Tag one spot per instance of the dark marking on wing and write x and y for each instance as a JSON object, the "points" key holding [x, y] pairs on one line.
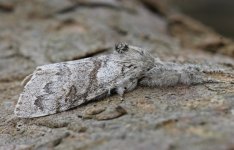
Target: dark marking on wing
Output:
{"points": [[71, 95], [92, 85], [38, 102], [101, 96], [47, 88], [65, 71], [58, 106]]}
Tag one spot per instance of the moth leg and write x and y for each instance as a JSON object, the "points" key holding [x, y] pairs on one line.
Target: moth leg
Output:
{"points": [[120, 91], [109, 92], [127, 86]]}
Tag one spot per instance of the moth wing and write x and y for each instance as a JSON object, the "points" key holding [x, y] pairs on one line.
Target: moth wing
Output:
{"points": [[54, 88]]}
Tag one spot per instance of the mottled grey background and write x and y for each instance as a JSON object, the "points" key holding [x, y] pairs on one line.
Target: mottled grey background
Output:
{"points": [[39, 32]]}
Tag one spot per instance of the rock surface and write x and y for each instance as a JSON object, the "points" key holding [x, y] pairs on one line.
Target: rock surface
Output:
{"points": [[39, 32]]}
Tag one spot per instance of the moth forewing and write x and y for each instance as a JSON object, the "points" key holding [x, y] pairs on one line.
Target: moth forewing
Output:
{"points": [[57, 87]]}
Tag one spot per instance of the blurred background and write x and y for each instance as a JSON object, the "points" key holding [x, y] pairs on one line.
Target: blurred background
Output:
{"points": [[218, 14]]}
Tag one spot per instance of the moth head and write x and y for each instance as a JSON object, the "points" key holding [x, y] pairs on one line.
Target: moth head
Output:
{"points": [[135, 55]]}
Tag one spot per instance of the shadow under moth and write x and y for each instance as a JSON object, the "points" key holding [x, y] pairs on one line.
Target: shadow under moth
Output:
{"points": [[61, 86]]}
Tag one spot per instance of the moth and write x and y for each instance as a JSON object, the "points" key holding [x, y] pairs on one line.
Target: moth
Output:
{"points": [[61, 86]]}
